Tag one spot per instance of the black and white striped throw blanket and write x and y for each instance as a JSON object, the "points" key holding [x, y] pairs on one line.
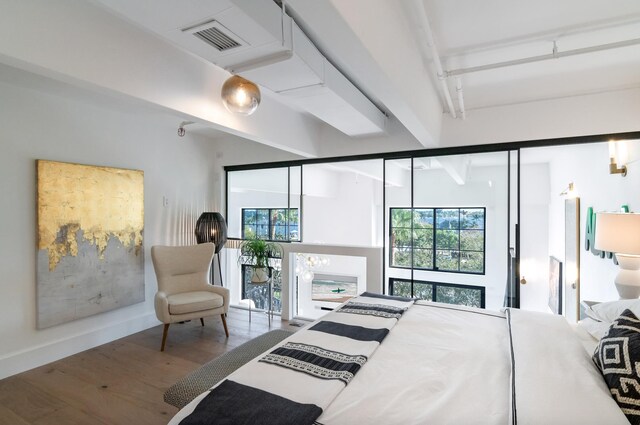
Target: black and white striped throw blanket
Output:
{"points": [[295, 381]]}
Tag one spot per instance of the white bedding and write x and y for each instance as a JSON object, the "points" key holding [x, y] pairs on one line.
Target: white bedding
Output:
{"points": [[444, 364], [433, 368]]}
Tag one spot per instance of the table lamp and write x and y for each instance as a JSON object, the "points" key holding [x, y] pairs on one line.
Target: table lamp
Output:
{"points": [[620, 233]]}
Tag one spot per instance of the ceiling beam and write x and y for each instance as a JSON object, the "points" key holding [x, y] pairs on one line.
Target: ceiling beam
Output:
{"points": [[80, 43]]}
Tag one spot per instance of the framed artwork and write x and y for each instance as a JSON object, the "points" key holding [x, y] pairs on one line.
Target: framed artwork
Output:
{"points": [[555, 285], [90, 255]]}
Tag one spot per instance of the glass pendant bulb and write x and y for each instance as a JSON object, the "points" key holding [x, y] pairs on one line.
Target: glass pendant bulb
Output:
{"points": [[240, 96]]}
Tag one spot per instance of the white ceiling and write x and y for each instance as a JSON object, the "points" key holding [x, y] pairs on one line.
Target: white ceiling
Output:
{"points": [[380, 46]]}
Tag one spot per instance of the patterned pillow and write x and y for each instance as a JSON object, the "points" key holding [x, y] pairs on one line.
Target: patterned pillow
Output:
{"points": [[618, 358]]}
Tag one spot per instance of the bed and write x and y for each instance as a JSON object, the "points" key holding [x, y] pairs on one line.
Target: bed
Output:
{"points": [[436, 364]]}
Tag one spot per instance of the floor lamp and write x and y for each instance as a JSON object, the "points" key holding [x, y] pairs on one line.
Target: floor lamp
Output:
{"points": [[212, 227]]}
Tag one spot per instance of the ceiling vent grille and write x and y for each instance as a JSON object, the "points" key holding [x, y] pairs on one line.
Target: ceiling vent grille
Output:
{"points": [[217, 39], [216, 35]]}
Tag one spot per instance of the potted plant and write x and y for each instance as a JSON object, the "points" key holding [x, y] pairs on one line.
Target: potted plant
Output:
{"points": [[256, 253]]}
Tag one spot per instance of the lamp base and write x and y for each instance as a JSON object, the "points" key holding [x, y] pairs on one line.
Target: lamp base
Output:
{"points": [[628, 279]]}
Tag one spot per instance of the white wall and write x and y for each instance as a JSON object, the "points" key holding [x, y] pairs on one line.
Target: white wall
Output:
{"points": [[587, 167], [600, 113], [88, 130]]}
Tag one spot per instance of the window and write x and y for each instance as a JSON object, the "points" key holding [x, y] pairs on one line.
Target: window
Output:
{"points": [[442, 239], [450, 293], [275, 224]]}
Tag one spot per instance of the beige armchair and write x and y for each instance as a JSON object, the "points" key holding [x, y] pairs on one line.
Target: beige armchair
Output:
{"points": [[184, 292]]}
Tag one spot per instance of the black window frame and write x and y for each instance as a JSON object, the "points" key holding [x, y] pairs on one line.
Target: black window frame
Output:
{"points": [[270, 225], [435, 285], [434, 246]]}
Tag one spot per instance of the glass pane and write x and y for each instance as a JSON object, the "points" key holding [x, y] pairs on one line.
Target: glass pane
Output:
{"points": [[423, 238], [249, 216], [471, 240], [447, 260], [447, 218], [423, 258], [278, 217], [293, 217], [263, 216], [342, 203], [400, 288], [423, 219], [461, 296], [401, 217], [423, 291], [249, 232], [262, 231], [401, 237], [401, 257], [252, 190], [279, 233], [293, 233], [447, 239], [472, 218], [472, 262]]}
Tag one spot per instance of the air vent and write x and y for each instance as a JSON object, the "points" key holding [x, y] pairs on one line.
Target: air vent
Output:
{"points": [[217, 35], [217, 39]]}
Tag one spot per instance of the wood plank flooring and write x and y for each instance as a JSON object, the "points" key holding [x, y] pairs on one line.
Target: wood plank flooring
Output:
{"points": [[123, 382]]}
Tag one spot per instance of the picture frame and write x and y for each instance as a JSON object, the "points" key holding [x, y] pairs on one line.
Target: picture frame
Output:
{"points": [[555, 285]]}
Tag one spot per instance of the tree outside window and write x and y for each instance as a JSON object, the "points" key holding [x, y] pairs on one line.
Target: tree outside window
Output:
{"points": [[442, 239], [274, 224]]}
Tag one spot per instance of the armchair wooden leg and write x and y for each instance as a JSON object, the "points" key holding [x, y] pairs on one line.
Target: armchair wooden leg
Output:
{"points": [[224, 323], [164, 335], [202, 321]]}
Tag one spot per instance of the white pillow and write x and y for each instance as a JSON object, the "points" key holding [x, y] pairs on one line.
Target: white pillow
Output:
{"points": [[594, 328], [610, 311]]}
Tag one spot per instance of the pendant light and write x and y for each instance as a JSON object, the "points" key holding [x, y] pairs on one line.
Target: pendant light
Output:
{"points": [[240, 96]]}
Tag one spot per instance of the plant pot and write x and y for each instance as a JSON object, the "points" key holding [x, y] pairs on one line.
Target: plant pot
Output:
{"points": [[260, 275]]}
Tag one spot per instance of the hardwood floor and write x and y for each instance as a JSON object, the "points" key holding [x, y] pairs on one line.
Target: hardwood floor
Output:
{"points": [[123, 382]]}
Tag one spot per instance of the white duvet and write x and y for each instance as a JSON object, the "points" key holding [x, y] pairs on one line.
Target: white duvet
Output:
{"points": [[445, 364]]}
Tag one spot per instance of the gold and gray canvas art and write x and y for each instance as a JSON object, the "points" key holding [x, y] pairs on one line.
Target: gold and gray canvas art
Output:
{"points": [[90, 240]]}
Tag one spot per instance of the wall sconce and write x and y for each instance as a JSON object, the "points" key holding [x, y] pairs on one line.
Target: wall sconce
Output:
{"points": [[569, 191], [240, 96], [614, 159]]}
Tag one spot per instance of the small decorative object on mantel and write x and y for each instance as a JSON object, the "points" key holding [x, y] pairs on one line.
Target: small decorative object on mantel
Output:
{"points": [[259, 253], [212, 227]]}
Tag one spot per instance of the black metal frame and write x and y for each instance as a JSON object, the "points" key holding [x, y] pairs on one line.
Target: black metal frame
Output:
{"points": [[454, 150], [434, 230], [435, 285], [270, 224], [507, 147]]}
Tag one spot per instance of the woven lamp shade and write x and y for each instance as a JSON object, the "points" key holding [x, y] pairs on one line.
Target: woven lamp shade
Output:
{"points": [[212, 227]]}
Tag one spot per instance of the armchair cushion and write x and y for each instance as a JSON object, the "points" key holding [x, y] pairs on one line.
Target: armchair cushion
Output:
{"points": [[189, 302]]}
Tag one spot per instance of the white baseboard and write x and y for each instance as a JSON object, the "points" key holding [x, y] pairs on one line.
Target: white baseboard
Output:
{"points": [[33, 357]]}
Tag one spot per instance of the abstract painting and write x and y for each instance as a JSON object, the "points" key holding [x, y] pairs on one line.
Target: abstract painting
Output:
{"points": [[90, 231]]}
